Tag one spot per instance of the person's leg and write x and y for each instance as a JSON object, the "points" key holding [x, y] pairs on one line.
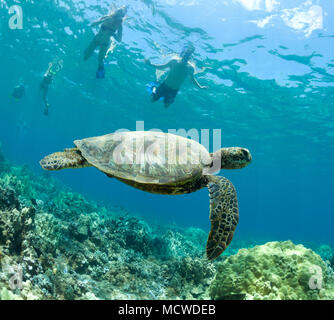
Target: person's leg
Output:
{"points": [[157, 93], [45, 100], [168, 101], [46, 109], [104, 47], [45, 90], [170, 97], [155, 97], [89, 51], [102, 55]]}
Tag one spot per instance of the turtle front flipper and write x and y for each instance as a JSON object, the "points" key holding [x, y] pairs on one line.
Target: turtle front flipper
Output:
{"points": [[68, 159], [224, 215]]}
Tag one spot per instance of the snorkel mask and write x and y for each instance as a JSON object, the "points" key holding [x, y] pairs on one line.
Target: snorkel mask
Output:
{"points": [[187, 52]]}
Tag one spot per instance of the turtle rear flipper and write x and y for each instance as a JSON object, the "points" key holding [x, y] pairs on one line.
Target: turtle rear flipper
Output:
{"points": [[69, 159], [224, 215]]}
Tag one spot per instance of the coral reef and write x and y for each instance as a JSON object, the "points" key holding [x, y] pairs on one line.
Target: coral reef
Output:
{"points": [[55, 244], [276, 270], [2, 158], [325, 252]]}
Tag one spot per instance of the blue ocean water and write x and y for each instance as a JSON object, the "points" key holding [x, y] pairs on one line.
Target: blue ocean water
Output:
{"points": [[270, 70]]}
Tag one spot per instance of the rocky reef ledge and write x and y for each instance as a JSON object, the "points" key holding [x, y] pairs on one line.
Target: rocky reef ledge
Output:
{"points": [[56, 244]]}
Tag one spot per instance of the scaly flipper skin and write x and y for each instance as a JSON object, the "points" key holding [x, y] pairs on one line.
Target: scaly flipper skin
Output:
{"points": [[224, 215], [68, 159]]}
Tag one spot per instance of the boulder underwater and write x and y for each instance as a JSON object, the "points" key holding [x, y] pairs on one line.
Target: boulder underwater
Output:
{"points": [[273, 271]]}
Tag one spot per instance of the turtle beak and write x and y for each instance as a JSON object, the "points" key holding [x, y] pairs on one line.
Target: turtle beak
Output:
{"points": [[249, 158], [247, 154]]}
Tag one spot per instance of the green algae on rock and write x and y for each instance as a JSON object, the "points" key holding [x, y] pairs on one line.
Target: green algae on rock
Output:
{"points": [[276, 270]]}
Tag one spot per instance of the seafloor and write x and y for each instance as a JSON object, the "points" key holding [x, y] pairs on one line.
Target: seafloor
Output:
{"points": [[55, 244]]}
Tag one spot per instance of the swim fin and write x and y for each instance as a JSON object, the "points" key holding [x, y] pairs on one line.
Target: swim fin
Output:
{"points": [[100, 73], [152, 86]]}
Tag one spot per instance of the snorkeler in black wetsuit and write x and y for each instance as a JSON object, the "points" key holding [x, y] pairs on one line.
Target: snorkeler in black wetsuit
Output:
{"points": [[112, 26], [180, 68], [53, 68]]}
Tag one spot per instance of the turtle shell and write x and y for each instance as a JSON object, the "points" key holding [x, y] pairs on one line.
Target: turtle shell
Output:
{"points": [[146, 156]]}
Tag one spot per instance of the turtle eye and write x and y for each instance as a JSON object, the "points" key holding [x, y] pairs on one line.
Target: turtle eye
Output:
{"points": [[244, 152]]}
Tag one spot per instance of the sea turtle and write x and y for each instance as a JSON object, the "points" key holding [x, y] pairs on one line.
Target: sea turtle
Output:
{"points": [[164, 163]]}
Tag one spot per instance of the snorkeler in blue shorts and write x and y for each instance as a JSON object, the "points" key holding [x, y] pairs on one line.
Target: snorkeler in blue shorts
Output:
{"points": [[180, 67]]}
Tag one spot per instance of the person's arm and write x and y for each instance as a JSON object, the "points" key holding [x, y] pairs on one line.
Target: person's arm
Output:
{"points": [[118, 35], [49, 69], [160, 66], [101, 20], [192, 75]]}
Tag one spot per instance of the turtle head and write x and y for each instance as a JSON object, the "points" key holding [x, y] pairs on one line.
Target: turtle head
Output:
{"points": [[68, 159], [231, 158]]}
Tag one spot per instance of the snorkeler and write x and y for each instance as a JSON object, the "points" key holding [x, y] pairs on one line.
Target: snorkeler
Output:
{"points": [[18, 92], [53, 68], [111, 26], [180, 68]]}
